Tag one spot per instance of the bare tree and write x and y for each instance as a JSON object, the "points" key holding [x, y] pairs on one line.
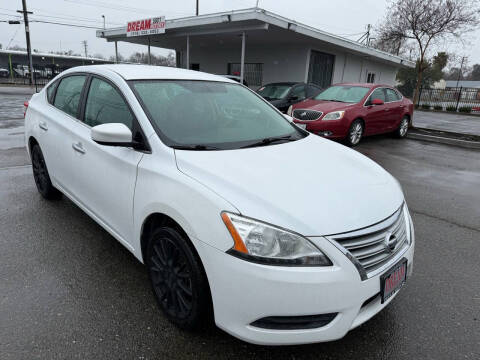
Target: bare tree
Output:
{"points": [[425, 22]]}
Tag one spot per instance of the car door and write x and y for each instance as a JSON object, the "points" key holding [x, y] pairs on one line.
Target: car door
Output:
{"points": [[395, 107], [376, 115], [106, 175], [58, 127]]}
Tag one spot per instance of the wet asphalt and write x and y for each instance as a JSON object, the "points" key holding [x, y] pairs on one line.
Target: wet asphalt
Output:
{"points": [[69, 290]]}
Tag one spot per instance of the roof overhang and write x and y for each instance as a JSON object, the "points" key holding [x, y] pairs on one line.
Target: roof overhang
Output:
{"points": [[250, 20]]}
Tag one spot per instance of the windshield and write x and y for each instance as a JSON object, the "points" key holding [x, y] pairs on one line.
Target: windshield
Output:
{"points": [[205, 115], [343, 93], [274, 91]]}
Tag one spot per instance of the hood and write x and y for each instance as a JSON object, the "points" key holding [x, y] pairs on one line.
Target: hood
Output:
{"points": [[312, 186], [321, 105]]}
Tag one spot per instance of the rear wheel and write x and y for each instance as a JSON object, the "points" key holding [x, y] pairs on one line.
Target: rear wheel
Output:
{"points": [[355, 133], [41, 176], [178, 280], [402, 130]]}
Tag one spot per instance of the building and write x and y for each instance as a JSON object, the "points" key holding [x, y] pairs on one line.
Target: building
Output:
{"points": [[270, 47], [452, 84], [45, 65]]}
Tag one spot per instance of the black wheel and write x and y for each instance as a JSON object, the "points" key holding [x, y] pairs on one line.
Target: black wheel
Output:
{"points": [[355, 133], [41, 176], [402, 130], [178, 279]]}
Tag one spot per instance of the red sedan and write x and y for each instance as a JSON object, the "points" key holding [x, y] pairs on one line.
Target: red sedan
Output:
{"points": [[351, 111]]}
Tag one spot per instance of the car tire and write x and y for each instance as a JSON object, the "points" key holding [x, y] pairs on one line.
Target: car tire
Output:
{"points": [[355, 133], [178, 279], [402, 130], [41, 175]]}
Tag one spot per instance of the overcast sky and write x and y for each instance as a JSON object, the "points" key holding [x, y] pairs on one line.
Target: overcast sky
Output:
{"points": [[343, 17]]}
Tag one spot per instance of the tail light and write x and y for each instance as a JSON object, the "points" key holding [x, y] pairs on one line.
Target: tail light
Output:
{"points": [[25, 109]]}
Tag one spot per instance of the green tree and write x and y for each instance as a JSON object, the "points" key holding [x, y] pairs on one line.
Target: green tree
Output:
{"points": [[433, 71], [475, 73]]}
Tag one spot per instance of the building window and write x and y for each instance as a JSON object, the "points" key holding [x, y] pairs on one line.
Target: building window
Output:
{"points": [[253, 72], [370, 77]]}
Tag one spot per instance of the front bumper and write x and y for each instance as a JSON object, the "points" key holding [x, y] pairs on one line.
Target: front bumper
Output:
{"points": [[336, 129], [243, 292]]}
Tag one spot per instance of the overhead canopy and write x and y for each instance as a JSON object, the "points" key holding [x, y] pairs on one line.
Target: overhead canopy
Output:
{"points": [[261, 26]]}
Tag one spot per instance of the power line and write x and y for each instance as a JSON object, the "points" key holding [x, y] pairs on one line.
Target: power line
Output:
{"points": [[66, 24], [121, 7]]}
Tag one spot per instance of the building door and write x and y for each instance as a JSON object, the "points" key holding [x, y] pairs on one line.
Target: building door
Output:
{"points": [[320, 70], [253, 72]]}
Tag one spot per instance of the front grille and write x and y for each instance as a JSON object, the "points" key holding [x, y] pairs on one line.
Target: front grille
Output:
{"points": [[372, 248], [306, 115]]}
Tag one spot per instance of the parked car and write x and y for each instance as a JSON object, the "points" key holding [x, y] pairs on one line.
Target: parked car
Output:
{"points": [[4, 73], [188, 171], [235, 78], [282, 95], [351, 111]]}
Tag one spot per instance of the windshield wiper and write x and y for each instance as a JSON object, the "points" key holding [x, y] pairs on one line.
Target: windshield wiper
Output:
{"points": [[334, 100], [195, 147], [270, 140]]}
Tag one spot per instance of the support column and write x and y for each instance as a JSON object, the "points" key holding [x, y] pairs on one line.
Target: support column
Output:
{"points": [[116, 53], [187, 62], [10, 65], [149, 55], [242, 59]]}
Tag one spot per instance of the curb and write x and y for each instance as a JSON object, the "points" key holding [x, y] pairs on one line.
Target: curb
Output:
{"points": [[443, 140]]}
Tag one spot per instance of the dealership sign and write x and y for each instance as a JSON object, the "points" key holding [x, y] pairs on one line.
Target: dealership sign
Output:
{"points": [[146, 27]]}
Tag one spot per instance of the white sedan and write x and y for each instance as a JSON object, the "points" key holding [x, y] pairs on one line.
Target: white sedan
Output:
{"points": [[280, 236]]}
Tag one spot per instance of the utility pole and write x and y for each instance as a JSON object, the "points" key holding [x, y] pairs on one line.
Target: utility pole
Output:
{"points": [[85, 45], [197, 8], [461, 70], [103, 16], [27, 36], [257, 4]]}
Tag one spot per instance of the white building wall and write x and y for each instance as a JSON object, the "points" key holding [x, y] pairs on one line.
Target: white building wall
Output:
{"points": [[290, 62]]}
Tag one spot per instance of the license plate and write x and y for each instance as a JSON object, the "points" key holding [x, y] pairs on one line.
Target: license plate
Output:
{"points": [[302, 126], [393, 280]]}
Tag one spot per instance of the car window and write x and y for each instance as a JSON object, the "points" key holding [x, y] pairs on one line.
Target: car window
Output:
{"points": [[274, 91], [376, 94], [68, 94], [299, 92], [392, 95], [313, 90], [105, 105], [199, 113], [343, 93], [51, 92]]}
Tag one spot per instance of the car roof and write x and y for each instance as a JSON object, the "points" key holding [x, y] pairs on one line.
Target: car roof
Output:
{"points": [[142, 72], [283, 83], [368, 85]]}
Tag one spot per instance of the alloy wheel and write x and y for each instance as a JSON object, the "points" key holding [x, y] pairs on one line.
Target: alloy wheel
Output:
{"points": [[356, 133], [172, 278], [40, 173], [404, 127]]}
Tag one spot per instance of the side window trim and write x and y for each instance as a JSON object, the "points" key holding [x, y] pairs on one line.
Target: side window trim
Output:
{"points": [[83, 99]]}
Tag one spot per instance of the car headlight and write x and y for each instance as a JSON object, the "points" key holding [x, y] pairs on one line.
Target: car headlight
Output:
{"points": [[289, 111], [335, 115], [408, 223], [267, 244]]}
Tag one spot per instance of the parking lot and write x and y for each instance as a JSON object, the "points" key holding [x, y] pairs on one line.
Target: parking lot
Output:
{"points": [[70, 290]]}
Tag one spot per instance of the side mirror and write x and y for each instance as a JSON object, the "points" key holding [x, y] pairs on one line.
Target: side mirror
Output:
{"points": [[288, 117], [293, 98], [114, 134], [377, 102]]}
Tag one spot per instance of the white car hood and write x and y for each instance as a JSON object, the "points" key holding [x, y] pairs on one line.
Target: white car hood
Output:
{"points": [[312, 186]]}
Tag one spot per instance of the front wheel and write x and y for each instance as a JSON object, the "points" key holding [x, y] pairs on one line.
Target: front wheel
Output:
{"points": [[402, 130], [178, 280], [355, 133]]}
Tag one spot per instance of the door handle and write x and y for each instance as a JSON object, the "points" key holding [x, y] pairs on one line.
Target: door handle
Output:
{"points": [[387, 109], [78, 147], [43, 125], [402, 106]]}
